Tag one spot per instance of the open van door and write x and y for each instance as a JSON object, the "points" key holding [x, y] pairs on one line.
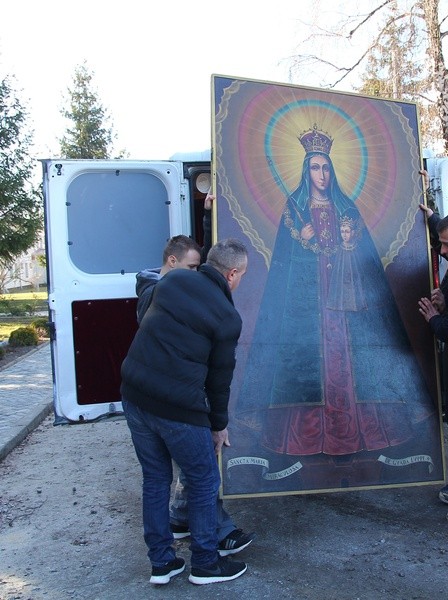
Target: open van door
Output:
{"points": [[104, 222]]}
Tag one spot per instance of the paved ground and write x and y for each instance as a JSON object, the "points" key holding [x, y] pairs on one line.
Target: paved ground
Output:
{"points": [[25, 397], [70, 521]]}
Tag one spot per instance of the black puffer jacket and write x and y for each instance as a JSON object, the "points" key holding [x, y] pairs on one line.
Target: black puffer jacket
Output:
{"points": [[144, 288], [181, 361]]}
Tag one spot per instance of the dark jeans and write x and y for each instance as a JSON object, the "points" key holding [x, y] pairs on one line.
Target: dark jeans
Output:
{"points": [[157, 441], [179, 510]]}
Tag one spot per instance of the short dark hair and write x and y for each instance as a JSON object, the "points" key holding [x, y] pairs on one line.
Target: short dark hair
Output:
{"points": [[227, 254], [178, 246], [442, 224]]}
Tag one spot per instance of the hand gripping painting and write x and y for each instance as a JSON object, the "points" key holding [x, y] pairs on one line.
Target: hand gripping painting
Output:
{"points": [[336, 383]]}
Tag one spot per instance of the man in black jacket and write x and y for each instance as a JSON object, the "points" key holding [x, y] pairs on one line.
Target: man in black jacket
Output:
{"points": [[182, 252], [175, 389]]}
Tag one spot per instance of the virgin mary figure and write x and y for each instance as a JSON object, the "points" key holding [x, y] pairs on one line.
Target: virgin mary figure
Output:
{"points": [[322, 375]]}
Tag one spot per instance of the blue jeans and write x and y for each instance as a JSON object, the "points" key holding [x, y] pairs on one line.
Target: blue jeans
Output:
{"points": [[157, 442], [179, 510]]}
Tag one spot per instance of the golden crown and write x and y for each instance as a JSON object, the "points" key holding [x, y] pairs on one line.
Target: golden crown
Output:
{"points": [[315, 140], [348, 221], [352, 219]]}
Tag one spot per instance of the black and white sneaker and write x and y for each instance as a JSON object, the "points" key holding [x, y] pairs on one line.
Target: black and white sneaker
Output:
{"points": [[443, 494], [236, 541], [179, 531], [162, 575], [222, 570]]}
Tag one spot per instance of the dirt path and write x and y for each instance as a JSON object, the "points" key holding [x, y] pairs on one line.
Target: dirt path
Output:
{"points": [[70, 528]]}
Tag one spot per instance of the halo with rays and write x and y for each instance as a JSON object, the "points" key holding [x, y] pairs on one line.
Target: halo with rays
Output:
{"points": [[372, 140]]}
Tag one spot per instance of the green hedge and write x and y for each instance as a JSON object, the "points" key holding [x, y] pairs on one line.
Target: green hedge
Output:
{"points": [[24, 336]]}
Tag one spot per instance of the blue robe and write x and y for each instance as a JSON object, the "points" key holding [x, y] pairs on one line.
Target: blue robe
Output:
{"points": [[321, 377]]}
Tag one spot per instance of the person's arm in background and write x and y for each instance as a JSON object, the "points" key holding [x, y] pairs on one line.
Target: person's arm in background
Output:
{"points": [[438, 298], [207, 226], [432, 217], [437, 322]]}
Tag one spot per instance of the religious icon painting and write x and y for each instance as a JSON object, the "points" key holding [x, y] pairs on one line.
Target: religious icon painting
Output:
{"points": [[336, 383]]}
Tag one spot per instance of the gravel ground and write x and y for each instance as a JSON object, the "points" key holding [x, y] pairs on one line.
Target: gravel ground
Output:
{"points": [[70, 528]]}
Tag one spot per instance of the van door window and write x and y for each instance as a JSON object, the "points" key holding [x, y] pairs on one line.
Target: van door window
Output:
{"points": [[118, 221]]}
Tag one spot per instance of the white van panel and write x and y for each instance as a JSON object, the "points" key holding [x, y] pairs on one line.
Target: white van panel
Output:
{"points": [[105, 221]]}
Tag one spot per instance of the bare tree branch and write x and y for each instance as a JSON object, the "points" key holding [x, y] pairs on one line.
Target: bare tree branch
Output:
{"points": [[368, 17], [373, 44], [405, 50], [325, 33]]}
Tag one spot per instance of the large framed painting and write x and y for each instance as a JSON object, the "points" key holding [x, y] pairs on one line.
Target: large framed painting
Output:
{"points": [[336, 383]]}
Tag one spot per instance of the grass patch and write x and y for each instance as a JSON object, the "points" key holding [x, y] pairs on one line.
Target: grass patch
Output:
{"points": [[25, 296], [23, 304], [19, 310]]}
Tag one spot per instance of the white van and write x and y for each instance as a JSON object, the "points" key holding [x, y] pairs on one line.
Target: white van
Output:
{"points": [[104, 222]]}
